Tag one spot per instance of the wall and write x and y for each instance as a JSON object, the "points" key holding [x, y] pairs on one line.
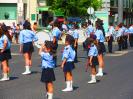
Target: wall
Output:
{"points": [[8, 22], [8, 9], [8, 1], [31, 10]]}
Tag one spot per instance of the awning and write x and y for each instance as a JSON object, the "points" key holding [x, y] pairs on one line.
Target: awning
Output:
{"points": [[45, 8], [60, 19], [74, 19]]}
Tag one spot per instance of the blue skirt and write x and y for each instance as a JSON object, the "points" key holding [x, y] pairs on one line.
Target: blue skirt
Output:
{"points": [[47, 75], [101, 48], [95, 61], [69, 66], [28, 47], [6, 55]]}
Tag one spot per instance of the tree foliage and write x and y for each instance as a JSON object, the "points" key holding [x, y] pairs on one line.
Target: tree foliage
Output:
{"points": [[74, 7]]}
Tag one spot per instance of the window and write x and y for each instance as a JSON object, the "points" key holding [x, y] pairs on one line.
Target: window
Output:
{"points": [[127, 5], [112, 3], [124, 3], [8, 11]]}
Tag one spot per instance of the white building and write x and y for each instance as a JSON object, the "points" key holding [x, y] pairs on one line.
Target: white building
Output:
{"points": [[17, 11], [106, 5]]}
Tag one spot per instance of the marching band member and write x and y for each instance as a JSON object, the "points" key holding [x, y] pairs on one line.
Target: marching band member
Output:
{"points": [[76, 37], [5, 53], [101, 48], [90, 29], [48, 75], [68, 62], [56, 33], [93, 59], [65, 27], [27, 37]]}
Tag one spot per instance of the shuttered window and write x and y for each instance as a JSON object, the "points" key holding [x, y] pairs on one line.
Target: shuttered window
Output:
{"points": [[8, 11]]}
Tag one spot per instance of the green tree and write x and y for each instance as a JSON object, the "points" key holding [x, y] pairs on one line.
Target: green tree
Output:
{"points": [[49, 2], [74, 7]]}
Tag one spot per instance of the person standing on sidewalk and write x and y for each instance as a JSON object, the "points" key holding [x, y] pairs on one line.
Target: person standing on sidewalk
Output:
{"points": [[125, 38], [119, 36], [5, 53], [131, 35], [109, 37], [27, 38]]}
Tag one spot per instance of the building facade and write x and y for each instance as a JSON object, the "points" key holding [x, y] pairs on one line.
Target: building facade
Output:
{"points": [[17, 11], [127, 11], [112, 6]]}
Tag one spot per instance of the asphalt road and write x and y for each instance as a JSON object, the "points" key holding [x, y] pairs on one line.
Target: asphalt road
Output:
{"points": [[117, 82]]}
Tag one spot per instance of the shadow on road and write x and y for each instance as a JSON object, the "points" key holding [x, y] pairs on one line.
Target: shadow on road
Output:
{"points": [[105, 73], [13, 78], [35, 72], [83, 57], [75, 88]]}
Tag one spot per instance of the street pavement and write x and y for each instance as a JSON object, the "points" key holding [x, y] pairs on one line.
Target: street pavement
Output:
{"points": [[117, 83]]}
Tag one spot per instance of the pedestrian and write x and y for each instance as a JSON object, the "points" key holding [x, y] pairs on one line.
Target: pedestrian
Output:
{"points": [[34, 27], [131, 35], [90, 29], [10, 31], [76, 37], [101, 49], [64, 27], [109, 36], [119, 36], [5, 52], [48, 65], [27, 38], [88, 32], [14, 31], [56, 33], [17, 33], [125, 38], [93, 58], [68, 62]]}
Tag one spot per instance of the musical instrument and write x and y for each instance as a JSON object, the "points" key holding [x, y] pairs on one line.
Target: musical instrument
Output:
{"points": [[42, 37]]}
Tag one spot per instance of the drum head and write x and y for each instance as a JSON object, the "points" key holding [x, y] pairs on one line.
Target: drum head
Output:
{"points": [[42, 37]]}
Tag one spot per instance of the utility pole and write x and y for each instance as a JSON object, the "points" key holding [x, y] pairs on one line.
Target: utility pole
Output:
{"points": [[120, 11]]}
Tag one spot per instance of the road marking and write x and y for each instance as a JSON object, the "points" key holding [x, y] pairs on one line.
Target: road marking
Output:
{"points": [[119, 53], [15, 54]]}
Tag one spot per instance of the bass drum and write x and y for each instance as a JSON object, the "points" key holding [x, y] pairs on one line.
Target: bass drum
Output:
{"points": [[42, 37]]}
